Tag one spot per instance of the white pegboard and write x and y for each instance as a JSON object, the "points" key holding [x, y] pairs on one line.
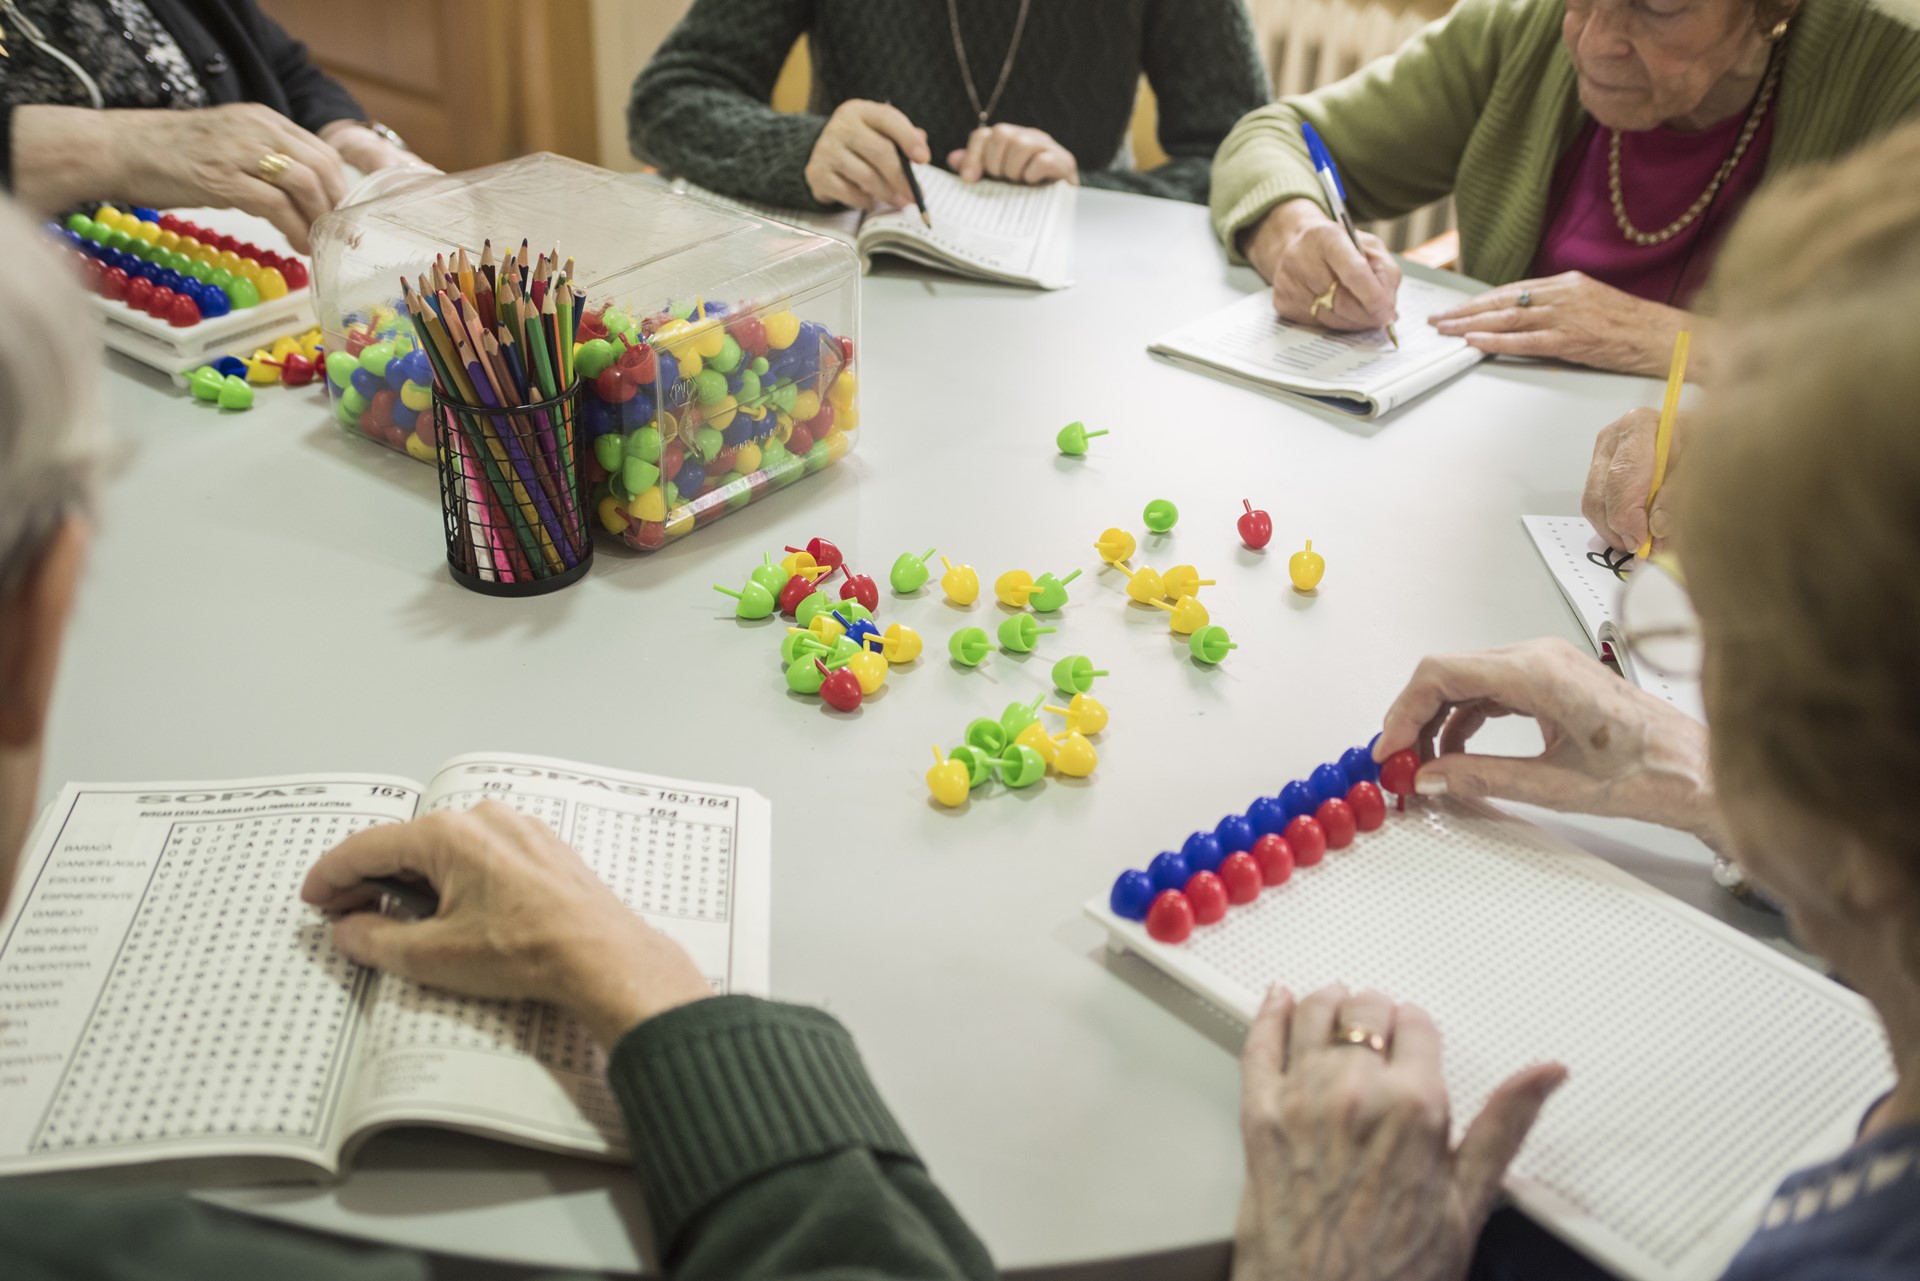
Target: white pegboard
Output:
{"points": [[1703, 1066]]}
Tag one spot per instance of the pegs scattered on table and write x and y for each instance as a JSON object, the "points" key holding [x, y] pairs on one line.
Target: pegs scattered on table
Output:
{"points": [[1020, 633], [1256, 527], [1183, 580], [861, 588], [1160, 516], [969, 646], [1050, 593], [1305, 567], [1188, 615], [1114, 545], [1014, 588], [910, 573], [824, 552], [960, 583], [1144, 585], [949, 780], [751, 602], [1075, 675], [1210, 644], [1072, 439]]}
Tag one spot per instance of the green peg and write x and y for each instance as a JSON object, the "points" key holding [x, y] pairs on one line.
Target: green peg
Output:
{"points": [[767, 574], [1075, 675], [754, 601], [909, 573], [1021, 766], [853, 611], [1020, 632], [1050, 593], [205, 383], [979, 764], [1210, 644], [1018, 716], [804, 675], [812, 606], [801, 644], [1160, 515], [843, 649], [969, 646], [985, 735], [1073, 438], [236, 393]]}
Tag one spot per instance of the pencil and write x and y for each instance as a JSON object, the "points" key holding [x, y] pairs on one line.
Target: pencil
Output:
{"points": [[1663, 438], [913, 185]]}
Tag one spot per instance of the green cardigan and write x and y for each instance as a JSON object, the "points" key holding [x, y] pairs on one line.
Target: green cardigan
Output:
{"points": [[1482, 104], [764, 1151]]}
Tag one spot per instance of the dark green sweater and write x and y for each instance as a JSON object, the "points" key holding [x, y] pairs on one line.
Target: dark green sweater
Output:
{"points": [[700, 109], [763, 1148]]}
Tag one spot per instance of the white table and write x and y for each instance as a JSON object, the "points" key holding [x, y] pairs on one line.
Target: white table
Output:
{"points": [[270, 596]]}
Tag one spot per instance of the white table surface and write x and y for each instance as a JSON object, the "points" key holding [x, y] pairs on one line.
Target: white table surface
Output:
{"points": [[268, 595]]}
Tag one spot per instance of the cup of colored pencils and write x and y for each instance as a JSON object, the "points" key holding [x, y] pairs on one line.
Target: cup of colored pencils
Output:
{"points": [[500, 337]]}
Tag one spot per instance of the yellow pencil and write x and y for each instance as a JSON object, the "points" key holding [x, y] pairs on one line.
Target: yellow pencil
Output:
{"points": [[1663, 439]]}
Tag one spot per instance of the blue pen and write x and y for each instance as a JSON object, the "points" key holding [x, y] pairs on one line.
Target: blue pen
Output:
{"points": [[1335, 192]]}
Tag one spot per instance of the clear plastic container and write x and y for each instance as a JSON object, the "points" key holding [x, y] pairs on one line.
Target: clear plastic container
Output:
{"points": [[715, 351]]}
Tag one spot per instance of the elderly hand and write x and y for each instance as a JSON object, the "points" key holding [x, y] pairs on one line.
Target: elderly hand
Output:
{"points": [[1570, 317], [520, 916], [1351, 1172], [1611, 747], [1620, 475], [854, 162], [364, 149], [1014, 153], [1302, 252]]}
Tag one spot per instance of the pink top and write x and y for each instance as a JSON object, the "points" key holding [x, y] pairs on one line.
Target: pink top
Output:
{"points": [[1662, 172]]}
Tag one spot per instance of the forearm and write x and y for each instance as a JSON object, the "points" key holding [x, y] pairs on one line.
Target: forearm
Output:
{"points": [[719, 140], [64, 155], [1262, 165]]}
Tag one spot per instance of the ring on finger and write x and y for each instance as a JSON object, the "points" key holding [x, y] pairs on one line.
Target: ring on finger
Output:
{"points": [[1365, 1037], [1324, 302], [271, 166], [1525, 299]]}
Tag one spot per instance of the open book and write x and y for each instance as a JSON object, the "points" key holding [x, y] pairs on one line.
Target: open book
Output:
{"points": [[164, 994], [1359, 373], [1590, 575], [987, 230]]}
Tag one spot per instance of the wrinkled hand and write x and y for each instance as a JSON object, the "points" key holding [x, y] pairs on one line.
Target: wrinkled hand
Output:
{"points": [[1014, 153], [1611, 747], [1301, 251], [1351, 1171], [1615, 502], [854, 162], [211, 156], [364, 149], [520, 917], [1570, 317]]}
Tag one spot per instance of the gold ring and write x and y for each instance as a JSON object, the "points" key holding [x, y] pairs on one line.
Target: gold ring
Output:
{"points": [[1324, 301], [1354, 1034], [272, 165]]}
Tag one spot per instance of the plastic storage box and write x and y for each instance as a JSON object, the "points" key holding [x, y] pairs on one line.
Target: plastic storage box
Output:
{"points": [[716, 349]]}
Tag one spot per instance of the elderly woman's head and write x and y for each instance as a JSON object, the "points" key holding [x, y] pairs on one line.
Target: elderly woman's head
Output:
{"points": [[1802, 547], [49, 443], [1644, 63]]}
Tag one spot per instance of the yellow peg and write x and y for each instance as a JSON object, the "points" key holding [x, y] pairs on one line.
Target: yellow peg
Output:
{"points": [[1144, 585], [1184, 580], [1014, 588], [1036, 737], [948, 780], [1074, 755], [1189, 615], [870, 669], [901, 644], [1114, 546], [960, 583], [798, 563]]}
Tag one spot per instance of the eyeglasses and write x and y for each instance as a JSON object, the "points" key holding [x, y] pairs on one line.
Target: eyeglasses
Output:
{"points": [[1657, 619]]}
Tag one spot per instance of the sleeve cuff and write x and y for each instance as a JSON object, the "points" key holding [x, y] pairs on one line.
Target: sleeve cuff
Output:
{"points": [[1250, 208], [721, 1091]]}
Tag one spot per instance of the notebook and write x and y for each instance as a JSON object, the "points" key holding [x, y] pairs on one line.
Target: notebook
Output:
{"points": [[1703, 1065], [1358, 373], [1582, 567], [165, 994], [986, 230]]}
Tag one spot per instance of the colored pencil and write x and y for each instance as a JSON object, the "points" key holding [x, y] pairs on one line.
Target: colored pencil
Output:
{"points": [[1663, 437]]}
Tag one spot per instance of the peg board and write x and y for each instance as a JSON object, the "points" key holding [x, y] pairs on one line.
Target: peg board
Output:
{"points": [[1704, 1066]]}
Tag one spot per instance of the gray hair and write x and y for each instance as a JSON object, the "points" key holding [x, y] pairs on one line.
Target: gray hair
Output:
{"points": [[51, 440]]}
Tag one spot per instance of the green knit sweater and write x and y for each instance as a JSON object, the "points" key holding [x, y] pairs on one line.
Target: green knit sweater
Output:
{"points": [[1482, 104], [699, 109], [762, 1147]]}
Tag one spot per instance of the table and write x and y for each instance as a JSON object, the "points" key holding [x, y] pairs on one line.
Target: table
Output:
{"points": [[268, 595]]}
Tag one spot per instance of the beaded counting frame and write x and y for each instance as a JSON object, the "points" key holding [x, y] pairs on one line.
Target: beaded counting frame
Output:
{"points": [[177, 293]]}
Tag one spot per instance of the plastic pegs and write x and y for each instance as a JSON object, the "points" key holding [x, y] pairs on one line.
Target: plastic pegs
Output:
{"points": [[828, 628], [1050, 593], [984, 734], [1114, 545], [816, 604], [960, 583], [861, 588], [1017, 716], [1072, 439], [1306, 567], [909, 573], [796, 592], [1397, 775], [1021, 766], [857, 629], [1074, 756], [1036, 737], [949, 780], [1256, 527], [806, 673], [797, 562], [979, 764], [823, 552], [1189, 615], [750, 602], [1075, 674], [1083, 713], [1132, 895], [1014, 588], [1184, 580], [901, 644], [1160, 515], [1144, 585], [969, 646], [839, 687], [1020, 633], [1210, 644], [870, 669], [771, 577]]}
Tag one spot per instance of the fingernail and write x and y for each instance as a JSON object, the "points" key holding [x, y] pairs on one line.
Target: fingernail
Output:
{"points": [[1428, 784], [1657, 522]]}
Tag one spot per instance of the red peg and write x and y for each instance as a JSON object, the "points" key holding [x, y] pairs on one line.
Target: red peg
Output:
{"points": [[1307, 839], [1170, 919], [1275, 858], [796, 590], [139, 292], [861, 588], [1337, 820], [296, 273], [1208, 896], [1396, 774], [1256, 528], [183, 312], [824, 553], [840, 689], [799, 441], [296, 370], [160, 302], [113, 283], [1241, 876], [1368, 806]]}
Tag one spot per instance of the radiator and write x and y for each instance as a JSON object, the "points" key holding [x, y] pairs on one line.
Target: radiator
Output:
{"points": [[1310, 43]]}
